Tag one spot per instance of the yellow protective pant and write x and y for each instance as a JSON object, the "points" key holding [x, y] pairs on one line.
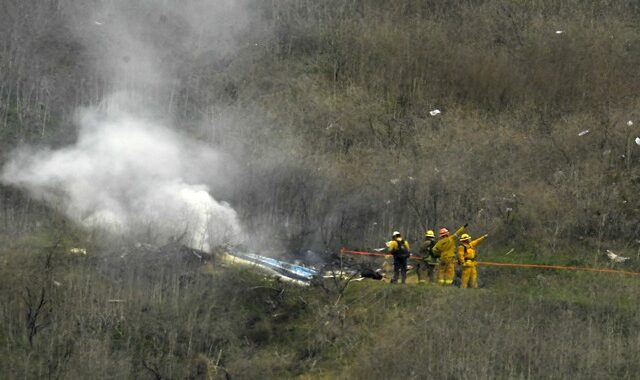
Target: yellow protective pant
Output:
{"points": [[469, 272], [446, 270]]}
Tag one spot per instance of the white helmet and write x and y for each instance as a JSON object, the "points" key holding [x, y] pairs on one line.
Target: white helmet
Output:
{"points": [[396, 233]]}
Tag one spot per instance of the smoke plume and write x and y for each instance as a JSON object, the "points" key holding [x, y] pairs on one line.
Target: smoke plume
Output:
{"points": [[128, 174], [129, 170]]}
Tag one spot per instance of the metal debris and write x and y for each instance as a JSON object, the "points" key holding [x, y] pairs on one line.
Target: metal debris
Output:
{"points": [[435, 112], [616, 258], [585, 132], [282, 270], [78, 251], [343, 274]]}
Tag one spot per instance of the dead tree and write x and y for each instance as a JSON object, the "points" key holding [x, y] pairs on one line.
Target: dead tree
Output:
{"points": [[35, 310]]}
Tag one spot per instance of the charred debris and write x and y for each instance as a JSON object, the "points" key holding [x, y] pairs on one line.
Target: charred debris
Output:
{"points": [[305, 268]]}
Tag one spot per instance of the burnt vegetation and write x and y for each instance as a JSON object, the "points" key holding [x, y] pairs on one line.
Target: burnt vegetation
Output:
{"points": [[323, 106]]}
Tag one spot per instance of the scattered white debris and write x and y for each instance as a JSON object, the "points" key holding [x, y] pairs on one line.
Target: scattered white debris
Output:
{"points": [[395, 181], [344, 274], [509, 209], [606, 152], [388, 202], [99, 22], [435, 112], [585, 132], [78, 251], [616, 258], [56, 283], [146, 246], [411, 178], [638, 140], [510, 251], [559, 31], [379, 249], [629, 123]]}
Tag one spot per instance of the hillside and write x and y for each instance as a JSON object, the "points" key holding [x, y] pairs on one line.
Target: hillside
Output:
{"points": [[322, 108], [294, 128], [164, 319]]}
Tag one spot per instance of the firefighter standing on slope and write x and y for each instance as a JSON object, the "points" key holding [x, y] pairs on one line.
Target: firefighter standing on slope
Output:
{"points": [[401, 252], [446, 249], [428, 259], [467, 259]]}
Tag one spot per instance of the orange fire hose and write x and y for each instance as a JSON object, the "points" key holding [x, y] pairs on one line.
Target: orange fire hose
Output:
{"points": [[540, 266]]}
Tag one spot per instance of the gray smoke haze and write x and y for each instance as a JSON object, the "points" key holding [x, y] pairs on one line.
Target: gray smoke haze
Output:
{"points": [[129, 170], [143, 45]]}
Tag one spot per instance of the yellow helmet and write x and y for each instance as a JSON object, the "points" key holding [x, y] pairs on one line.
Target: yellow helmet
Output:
{"points": [[465, 237], [430, 233]]}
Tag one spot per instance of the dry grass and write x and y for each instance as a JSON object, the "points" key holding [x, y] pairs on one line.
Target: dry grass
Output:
{"points": [[108, 318]]}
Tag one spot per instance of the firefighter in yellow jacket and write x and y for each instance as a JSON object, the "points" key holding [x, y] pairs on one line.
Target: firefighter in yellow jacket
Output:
{"points": [[446, 249], [467, 259], [427, 259], [400, 250]]}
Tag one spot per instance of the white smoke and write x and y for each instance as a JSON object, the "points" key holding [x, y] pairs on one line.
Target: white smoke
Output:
{"points": [[127, 174]]}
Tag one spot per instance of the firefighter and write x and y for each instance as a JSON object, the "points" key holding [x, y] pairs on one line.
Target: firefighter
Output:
{"points": [[446, 249], [428, 259], [400, 250], [467, 259]]}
